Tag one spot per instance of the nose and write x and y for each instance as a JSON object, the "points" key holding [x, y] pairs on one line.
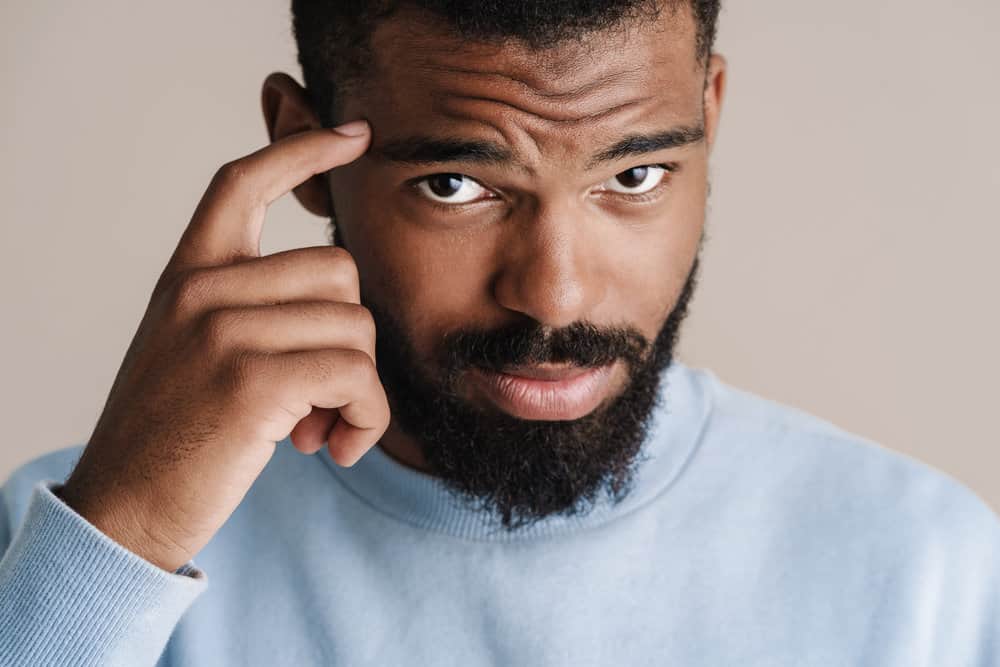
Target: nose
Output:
{"points": [[550, 269]]}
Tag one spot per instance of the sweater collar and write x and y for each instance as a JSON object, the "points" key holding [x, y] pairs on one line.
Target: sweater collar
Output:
{"points": [[424, 501]]}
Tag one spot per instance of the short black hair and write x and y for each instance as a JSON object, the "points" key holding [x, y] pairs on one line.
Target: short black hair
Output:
{"points": [[333, 35]]}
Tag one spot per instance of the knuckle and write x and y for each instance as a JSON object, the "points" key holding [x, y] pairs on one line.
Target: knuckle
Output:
{"points": [[243, 368], [357, 366], [345, 366], [346, 269], [166, 281], [338, 253], [366, 325], [216, 328], [231, 174], [362, 321], [190, 290]]}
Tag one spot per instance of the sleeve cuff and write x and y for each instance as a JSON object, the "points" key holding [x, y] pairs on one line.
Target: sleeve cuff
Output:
{"points": [[69, 594]]}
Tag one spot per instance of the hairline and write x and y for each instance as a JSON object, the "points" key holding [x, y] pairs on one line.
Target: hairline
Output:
{"points": [[350, 82]]}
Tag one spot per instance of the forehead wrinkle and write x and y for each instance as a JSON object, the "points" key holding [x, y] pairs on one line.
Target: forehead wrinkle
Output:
{"points": [[542, 103], [442, 107], [526, 135], [576, 105], [594, 95], [517, 162], [534, 89]]}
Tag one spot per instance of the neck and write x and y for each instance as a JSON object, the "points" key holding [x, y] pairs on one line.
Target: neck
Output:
{"points": [[402, 448]]}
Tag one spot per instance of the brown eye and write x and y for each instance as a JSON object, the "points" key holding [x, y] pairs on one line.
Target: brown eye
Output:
{"points": [[634, 177], [445, 185], [450, 188], [636, 180]]}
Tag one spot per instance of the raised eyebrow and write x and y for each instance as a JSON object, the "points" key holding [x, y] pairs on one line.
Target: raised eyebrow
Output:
{"points": [[640, 144], [423, 150]]}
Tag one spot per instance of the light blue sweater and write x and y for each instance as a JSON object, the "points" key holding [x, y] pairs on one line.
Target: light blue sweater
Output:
{"points": [[756, 535]]}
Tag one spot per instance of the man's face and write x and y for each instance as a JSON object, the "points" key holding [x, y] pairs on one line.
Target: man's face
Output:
{"points": [[540, 209]]}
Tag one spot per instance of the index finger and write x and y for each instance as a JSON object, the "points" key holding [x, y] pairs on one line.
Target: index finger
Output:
{"points": [[228, 221]]}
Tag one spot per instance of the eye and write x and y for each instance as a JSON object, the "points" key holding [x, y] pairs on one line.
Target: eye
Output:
{"points": [[450, 188], [637, 180]]}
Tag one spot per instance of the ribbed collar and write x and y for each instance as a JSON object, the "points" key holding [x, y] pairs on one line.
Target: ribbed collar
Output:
{"points": [[424, 501]]}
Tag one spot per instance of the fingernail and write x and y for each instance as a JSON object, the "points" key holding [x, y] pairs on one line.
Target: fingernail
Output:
{"points": [[355, 128]]}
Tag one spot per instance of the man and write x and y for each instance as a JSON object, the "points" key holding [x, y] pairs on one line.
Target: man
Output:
{"points": [[509, 466]]}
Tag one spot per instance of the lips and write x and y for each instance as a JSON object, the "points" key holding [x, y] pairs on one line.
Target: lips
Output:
{"points": [[550, 372], [545, 392]]}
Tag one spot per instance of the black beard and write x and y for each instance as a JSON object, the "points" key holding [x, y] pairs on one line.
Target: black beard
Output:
{"points": [[524, 470]]}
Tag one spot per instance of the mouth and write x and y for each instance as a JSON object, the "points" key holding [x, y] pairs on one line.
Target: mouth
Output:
{"points": [[545, 391]]}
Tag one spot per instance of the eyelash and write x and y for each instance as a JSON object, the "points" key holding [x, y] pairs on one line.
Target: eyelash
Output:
{"points": [[670, 168], [413, 183]]}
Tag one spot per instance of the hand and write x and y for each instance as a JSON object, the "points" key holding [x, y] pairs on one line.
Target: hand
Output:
{"points": [[234, 353]]}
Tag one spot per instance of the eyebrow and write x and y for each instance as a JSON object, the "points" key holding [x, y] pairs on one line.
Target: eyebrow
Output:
{"points": [[428, 150], [640, 144], [425, 150]]}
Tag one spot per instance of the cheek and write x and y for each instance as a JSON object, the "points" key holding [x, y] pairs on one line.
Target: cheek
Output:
{"points": [[435, 284], [435, 277], [432, 280], [660, 255]]}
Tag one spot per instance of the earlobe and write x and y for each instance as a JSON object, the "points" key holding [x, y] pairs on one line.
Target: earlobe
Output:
{"points": [[287, 111], [715, 89]]}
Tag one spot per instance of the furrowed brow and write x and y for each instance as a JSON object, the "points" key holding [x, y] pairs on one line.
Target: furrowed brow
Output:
{"points": [[421, 150], [640, 144]]}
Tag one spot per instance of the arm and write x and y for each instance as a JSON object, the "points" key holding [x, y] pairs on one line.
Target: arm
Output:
{"points": [[70, 595], [234, 353]]}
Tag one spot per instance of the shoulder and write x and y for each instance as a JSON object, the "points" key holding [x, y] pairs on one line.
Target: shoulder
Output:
{"points": [[54, 466], [823, 472], [852, 522]]}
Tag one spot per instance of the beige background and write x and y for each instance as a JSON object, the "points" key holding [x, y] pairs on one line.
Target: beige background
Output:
{"points": [[851, 265]]}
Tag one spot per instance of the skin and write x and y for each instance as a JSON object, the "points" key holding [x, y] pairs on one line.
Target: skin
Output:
{"points": [[550, 243], [233, 351], [237, 351]]}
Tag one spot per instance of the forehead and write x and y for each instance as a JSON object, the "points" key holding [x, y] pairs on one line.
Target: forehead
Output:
{"points": [[544, 104]]}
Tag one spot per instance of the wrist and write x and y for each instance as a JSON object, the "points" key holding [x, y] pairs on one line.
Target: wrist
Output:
{"points": [[123, 526]]}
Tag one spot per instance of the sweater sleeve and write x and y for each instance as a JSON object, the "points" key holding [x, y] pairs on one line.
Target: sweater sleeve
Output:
{"points": [[71, 595]]}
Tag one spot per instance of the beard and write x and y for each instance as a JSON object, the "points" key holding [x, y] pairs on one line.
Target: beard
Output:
{"points": [[525, 470]]}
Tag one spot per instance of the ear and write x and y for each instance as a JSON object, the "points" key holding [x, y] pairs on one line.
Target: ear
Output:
{"points": [[715, 89], [287, 111]]}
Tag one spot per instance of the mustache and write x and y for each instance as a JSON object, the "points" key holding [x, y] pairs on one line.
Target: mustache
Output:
{"points": [[581, 343]]}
